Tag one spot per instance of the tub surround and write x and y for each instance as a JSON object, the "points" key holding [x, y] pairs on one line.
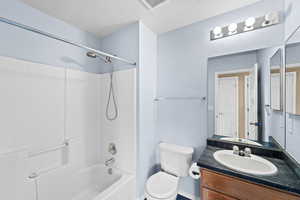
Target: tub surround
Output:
{"points": [[286, 179], [70, 106]]}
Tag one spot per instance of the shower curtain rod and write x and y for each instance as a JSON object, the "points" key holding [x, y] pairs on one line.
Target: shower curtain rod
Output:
{"points": [[34, 30]]}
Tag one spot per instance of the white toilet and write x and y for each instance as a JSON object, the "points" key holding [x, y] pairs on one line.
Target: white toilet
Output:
{"points": [[175, 163]]}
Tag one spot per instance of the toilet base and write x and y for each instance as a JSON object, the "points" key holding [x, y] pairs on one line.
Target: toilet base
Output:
{"points": [[148, 197]]}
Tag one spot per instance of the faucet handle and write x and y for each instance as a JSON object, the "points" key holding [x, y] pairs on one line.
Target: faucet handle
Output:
{"points": [[112, 148], [235, 149], [247, 151], [110, 162]]}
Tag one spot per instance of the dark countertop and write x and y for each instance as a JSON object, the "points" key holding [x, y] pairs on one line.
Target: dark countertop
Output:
{"points": [[285, 179]]}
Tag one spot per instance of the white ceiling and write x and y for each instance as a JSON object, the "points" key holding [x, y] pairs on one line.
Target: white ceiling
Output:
{"points": [[102, 17]]}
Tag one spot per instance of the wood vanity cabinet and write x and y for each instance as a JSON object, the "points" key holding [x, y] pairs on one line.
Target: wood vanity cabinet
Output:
{"points": [[215, 186]]}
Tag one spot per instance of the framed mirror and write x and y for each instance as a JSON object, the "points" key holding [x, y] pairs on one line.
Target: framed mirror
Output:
{"points": [[237, 94], [276, 67], [233, 98]]}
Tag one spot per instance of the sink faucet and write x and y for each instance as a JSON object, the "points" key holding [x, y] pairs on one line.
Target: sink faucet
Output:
{"points": [[236, 150], [246, 152]]}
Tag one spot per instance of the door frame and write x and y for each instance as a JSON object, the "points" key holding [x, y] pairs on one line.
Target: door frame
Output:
{"points": [[216, 96]]}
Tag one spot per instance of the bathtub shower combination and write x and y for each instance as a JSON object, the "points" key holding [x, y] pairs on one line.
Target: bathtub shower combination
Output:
{"points": [[75, 137], [69, 150], [68, 134]]}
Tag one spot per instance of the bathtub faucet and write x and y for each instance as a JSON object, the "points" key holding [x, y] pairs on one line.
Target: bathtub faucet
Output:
{"points": [[109, 162]]}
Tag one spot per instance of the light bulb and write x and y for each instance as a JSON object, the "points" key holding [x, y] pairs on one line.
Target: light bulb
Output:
{"points": [[270, 18], [232, 29], [218, 32], [249, 23]]}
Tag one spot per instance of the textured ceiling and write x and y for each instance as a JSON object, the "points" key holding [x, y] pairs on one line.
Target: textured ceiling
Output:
{"points": [[102, 17]]}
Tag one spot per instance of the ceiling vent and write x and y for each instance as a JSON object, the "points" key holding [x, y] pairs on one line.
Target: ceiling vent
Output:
{"points": [[151, 4]]}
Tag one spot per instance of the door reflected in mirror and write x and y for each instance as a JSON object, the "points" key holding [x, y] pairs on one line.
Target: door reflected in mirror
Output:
{"points": [[275, 81], [292, 77], [236, 103], [233, 98]]}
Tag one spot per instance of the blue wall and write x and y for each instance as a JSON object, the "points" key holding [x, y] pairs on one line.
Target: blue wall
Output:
{"points": [[292, 16], [25, 45], [182, 72], [123, 43], [148, 138]]}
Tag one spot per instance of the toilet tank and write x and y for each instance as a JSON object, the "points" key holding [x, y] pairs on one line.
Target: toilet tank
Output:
{"points": [[175, 159]]}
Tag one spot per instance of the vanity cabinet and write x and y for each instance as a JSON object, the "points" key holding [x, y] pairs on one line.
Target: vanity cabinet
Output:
{"points": [[215, 186]]}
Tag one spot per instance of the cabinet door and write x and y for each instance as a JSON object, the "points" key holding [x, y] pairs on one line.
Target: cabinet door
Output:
{"points": [[240, 189], [212, 195]]}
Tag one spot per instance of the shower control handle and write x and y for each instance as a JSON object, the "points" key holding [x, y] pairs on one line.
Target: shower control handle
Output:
{"points": [[110, 162], [112, 148]]}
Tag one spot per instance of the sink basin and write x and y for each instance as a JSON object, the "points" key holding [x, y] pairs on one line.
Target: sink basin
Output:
{"points": [[252, 165], [245, 141]]}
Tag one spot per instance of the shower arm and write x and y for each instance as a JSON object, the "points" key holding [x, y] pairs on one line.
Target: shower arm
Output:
{"points": [[49, 35]]}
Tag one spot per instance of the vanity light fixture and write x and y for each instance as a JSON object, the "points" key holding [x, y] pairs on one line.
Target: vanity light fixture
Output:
{"points": [[218, 32], [250, 24], [232, 29]]}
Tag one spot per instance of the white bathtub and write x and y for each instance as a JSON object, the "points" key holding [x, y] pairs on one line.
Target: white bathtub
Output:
{"points": [[94, 183]]}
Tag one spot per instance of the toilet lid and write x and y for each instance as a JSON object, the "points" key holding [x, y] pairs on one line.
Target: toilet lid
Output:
{"points": [[162, 185]]}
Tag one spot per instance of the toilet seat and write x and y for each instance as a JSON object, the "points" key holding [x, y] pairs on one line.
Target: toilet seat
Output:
{"points": [[162, 185]]}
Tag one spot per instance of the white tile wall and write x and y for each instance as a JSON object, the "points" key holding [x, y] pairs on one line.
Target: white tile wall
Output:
{"points": [[123, 130], [31, 104], [83, 114], [13, 173]]}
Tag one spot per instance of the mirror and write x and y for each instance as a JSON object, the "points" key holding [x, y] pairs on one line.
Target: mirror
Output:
{"points": [[276, 81], [240, 90], [233, 98], [292, 75], [292, 97]]}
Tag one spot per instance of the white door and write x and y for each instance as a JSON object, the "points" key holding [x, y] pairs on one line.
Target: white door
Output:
{"points": [[227, 106], [275, 91], [291, 92], [252, 104]]}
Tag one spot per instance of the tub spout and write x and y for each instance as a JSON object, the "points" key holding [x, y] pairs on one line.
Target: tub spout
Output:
{"points": [[109, 162]]}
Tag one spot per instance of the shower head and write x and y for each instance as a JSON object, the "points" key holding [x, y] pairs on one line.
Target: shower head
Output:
{"points": [[91, 54], [94, 55]]}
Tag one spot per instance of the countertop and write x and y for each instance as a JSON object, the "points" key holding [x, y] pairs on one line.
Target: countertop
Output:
{"points": [[285, 179]]}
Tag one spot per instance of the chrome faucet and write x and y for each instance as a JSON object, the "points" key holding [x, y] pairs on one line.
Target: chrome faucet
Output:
{"points": [[246, 152], [236, 150], [110, 162], [112, 148]]}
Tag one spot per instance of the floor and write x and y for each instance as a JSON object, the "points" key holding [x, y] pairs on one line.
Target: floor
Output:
{"points": [[179, 197]]}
